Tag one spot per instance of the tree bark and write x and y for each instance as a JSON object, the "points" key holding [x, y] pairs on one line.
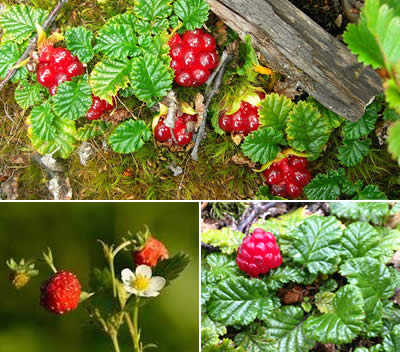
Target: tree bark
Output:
{"points": [[299, 48]]}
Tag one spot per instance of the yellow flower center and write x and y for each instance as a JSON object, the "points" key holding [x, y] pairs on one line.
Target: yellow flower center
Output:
{"points": [[140, 283]]}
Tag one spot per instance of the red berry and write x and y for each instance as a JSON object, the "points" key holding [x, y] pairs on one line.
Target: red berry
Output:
{"points": [[76, 68], [293, 190], [61, 293], [45, 75], [177, 52], [200, 76], [53, 89], [184, 78], [61, 78], [283, 165], [301, 177], [225, 122], [181, 135], [258, 253], [175, 40], [61, 57], [162, 132], [273, 175], [45, 53], [189, 58], [297, 162], [193, 40], [151, 253], [279, 190], [209, 42]]}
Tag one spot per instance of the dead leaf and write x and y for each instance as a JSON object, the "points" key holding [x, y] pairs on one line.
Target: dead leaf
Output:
{"points": [[382, 132], [294, 295], [237, 138], [209, 225], [128, 172], [329, 347], [116, 116], [240, 159], [287, 88]]}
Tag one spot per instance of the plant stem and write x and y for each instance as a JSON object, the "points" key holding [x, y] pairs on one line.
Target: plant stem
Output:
{"points": [[136, 325], [130, 328], [114, 339]]}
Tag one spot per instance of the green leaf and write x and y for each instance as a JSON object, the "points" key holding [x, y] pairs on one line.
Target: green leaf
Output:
{"points": [[108, 77], [208, 337], [389, 241], [91, 130], [353, 151], [79, 43], [217, 328], [263, 145], [390, 115], [359, 240], [263, 193], [363, 211], [394, 141], [19, 22], [27, 94], [41, 119], [344, 323], [151, 9], [370, 192], [333, 119], [129, 136], [221, 267], [151, 78], [286, 326], [227, 240], [240, 301], [59, 135], [9, 55], [225, 346], [255, 340], [391, 341], [193, 13], [73, 99], [157, 46], [250, 61], [323, 301], [278, 277], [316, 244], [364, 126], [155, 27], [359, 272], [124, 18], [392, 93], [117, 41], [326, 186], [171, 268], [307, 131]]}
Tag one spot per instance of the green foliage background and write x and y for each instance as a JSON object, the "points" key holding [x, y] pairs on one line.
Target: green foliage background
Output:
{"points": [[71, 230]]}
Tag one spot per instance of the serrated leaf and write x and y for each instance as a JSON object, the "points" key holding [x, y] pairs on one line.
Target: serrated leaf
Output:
{"points": [[353, 151], [359, 240], [286, 326], [20, 21], [60, 137], [344, 323], [333, 119], [326, 186], [108, 77], [392, 93], [250, 62], [264, 193], [79, 42], [278, 277], [227, 240], [391, 341], [124, 18], [91, 130], [390, 115], [171, 268], [129, 136], [394, 141], [151, 9], [157, 46], [263, 145], [359, 272], [370, 192], [193, 13], [73, 99], [208, 338], [389, 241], [307, 131], [221, 267], [117, 41], [240, 301], [225, 346], [27, 94], [155, 27], [255, 340], [41, 119], [217, 328], [9, 55], [362, 127], [362, 211], [316, 244], [151, 78]]}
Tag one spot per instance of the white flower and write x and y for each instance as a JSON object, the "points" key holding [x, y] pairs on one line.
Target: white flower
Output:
{"points": [[141, 283]]}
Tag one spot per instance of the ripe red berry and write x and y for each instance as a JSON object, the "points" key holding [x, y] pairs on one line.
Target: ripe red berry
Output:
{"points": [[151, 253], [98, 108], [44, 75], [183, 137], [258, 253], [288, 177], [45, 53], [61, 293], [193, 56]]}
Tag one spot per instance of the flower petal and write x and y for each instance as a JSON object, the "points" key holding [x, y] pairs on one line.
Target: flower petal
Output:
{"points": [[130, 290], [157, 283], [127, 275], [149, 293], [143, 270]]}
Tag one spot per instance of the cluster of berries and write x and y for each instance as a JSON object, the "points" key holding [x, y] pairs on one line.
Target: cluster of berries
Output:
{"points": [[193, 56], [98, 108], [245, 120], [181, 131], [288, 177], [57, 65], [258, 253]]}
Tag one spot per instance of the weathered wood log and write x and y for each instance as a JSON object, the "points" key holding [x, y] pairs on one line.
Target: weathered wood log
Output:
{"points": [[299, 48]]}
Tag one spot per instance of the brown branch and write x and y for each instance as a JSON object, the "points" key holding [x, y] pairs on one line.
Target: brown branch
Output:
{"points": [[225, 60], [32, 43]]}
